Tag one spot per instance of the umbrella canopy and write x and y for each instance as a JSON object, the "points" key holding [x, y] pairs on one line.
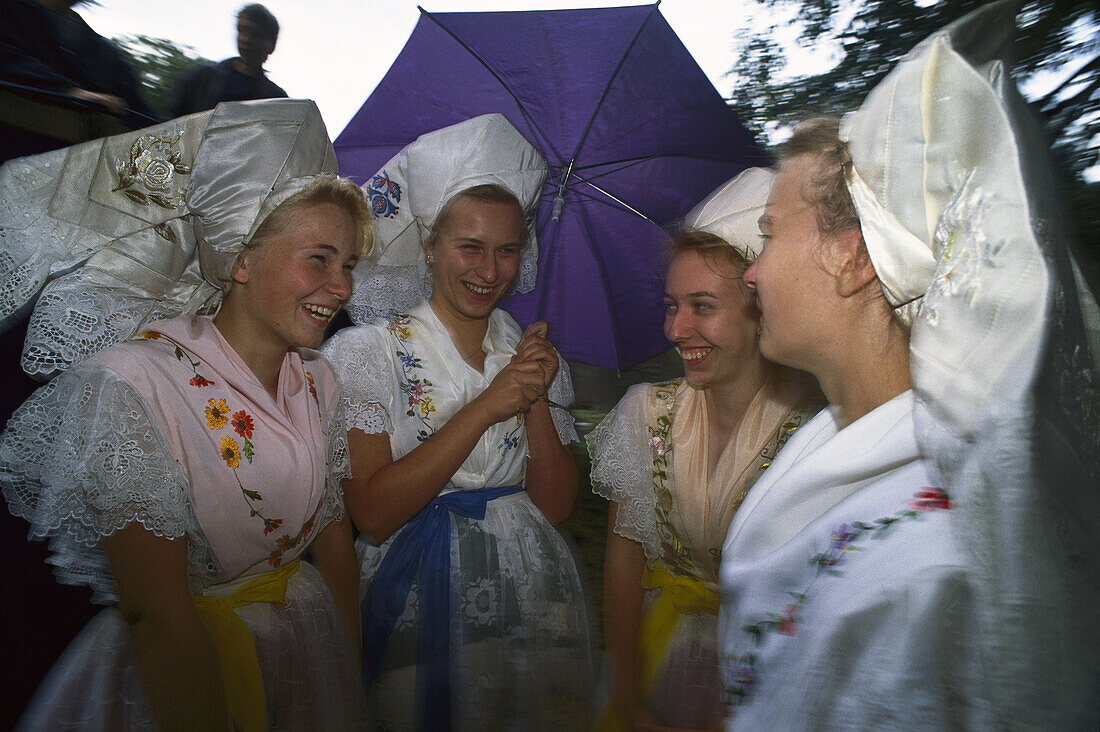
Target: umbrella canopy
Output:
{"points": [[633, 131]]}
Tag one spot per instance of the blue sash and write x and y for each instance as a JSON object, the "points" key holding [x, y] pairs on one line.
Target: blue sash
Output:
{"points": [[423, 548]]}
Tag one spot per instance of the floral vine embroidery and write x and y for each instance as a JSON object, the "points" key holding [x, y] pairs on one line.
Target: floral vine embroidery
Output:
{"points": [[313, 393], [788, 428], [219, 414], [182, 354], [417, 390], [744, 671], [216, 411], [511, 440], [674, 554]]}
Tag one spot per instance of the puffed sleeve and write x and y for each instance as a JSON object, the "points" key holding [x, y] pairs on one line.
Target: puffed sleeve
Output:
{"points": [[561, 392], [622, 468], [365, 371], [81, 459]]}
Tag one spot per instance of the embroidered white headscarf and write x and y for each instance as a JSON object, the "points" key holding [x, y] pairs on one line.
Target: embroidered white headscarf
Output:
{"points": [[409, 192]]}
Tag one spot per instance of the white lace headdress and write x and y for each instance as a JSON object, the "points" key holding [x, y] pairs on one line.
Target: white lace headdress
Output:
{"points": [[732, 212], [957, 208], [410, 190], [146, 225]]}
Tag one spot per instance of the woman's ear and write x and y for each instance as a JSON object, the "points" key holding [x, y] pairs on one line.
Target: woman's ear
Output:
{"points": [[241, 267], [853, 267]]}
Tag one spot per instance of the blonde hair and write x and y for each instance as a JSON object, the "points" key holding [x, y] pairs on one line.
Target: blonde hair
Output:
{"points": [[323, 189]]}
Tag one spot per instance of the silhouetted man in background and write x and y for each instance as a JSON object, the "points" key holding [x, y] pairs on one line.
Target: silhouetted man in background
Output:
{"points": [[235, 79]]}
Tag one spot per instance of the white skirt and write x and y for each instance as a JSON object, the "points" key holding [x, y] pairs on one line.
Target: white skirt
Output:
{"points": [[520, 651], [311, 680]]}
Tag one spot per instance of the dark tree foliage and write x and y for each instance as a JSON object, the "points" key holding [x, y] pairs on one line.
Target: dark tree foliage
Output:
{"points": [[158, 62], [1061, 36]]}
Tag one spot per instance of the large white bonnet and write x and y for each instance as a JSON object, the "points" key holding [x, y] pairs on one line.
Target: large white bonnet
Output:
{"points": [[113, 233], [732, 212], [915, 136], [946, 212], [410, 190], [958, 209]]}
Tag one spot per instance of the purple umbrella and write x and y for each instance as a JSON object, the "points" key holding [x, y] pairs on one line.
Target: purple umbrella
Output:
{"points": [[634, 133]]}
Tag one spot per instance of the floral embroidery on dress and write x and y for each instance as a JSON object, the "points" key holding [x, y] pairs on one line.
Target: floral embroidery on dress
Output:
{"points": [[181, 354], [230, 452], [788, 428], [741, 670], [313, 393], [673, 553], [285, 542], [417, 390], [218, 414], [511, 440], [242, 424]]}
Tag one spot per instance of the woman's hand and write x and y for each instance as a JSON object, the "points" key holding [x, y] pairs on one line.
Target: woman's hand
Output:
{"points": [[533, 347], [334, 556], [512, 391], [176, 659]]}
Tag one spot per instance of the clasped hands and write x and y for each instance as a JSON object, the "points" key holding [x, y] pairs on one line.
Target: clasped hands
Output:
{"points": [[527, 376]]}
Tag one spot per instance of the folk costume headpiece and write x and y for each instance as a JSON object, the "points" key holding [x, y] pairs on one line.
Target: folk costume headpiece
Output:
{"points": [[957, 207], [113, 233], [732, 212], [409, 192]]}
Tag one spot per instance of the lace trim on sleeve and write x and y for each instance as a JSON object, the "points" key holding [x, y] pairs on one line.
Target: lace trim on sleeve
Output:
{"points": [[622, 469], [561, 391], [366, 379], [81, 459], [339, 467]]}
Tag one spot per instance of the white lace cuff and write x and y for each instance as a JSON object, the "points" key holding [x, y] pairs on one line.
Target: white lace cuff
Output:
{"points": [[622, 468], [561, 391], [81, 459]]}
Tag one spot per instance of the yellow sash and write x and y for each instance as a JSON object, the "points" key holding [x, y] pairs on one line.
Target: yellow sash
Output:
{"points": [[244, 686], [679, 595]]}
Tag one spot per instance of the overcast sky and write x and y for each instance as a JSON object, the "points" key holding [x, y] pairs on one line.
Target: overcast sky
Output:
{"points": [[336, 51]]}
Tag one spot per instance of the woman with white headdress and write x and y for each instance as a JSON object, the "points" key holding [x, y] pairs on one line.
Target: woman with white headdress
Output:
{"points": [[183, 473], [473, 615], [922, 554], [677, 458]]}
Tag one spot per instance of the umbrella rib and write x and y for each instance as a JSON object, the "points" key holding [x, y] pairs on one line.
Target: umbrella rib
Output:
{"points": [[523, 110], [638, 160], [629, 163], [611, 80], [621, 202], [606, 200]]}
